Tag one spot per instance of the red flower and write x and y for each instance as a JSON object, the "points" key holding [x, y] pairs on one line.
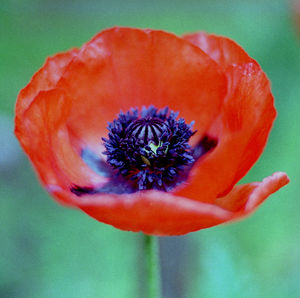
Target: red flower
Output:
{"points": [[62, 114]]}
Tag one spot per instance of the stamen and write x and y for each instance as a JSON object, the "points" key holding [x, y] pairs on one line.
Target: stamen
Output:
{"points": [[151, 148], [146, 150]]}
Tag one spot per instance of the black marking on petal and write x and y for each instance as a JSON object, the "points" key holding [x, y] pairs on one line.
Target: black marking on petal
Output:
{"points": [[117, 185], [205, 145], [82, 190]]}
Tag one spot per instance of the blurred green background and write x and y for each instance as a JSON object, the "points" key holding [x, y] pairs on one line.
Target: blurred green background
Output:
{"points": [[50, 251]]}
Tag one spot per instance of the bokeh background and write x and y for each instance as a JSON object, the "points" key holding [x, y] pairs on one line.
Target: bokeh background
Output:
{"points": [[50, 251]]}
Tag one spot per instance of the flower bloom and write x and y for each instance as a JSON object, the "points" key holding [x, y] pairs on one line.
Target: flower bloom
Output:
{"points": [[150, 170]]}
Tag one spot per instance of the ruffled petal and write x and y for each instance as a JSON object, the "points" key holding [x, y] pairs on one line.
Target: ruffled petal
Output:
{"points": [[151, 212], [123, 68], [242, 129], [221, 49], [164, 214], [45, 79], [45, 139], [244, 199]]}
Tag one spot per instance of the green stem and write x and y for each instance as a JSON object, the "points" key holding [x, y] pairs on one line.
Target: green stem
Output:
{"points": [[153, 266]]}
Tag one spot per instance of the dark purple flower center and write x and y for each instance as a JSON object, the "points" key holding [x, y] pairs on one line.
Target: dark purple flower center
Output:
{"points": [[149, 148], [145, 150], [149, 130]]}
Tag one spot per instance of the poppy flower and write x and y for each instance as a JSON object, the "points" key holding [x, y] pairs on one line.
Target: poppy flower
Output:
{"points": [[147, 131]]}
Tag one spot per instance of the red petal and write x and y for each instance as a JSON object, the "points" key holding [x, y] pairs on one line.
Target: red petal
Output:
{"points": [[123, 68], [242, 129], [244, 199], [160, 213], [246, 120], [151, 212], [45, 139], [45, 79], [222, 49]]}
